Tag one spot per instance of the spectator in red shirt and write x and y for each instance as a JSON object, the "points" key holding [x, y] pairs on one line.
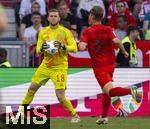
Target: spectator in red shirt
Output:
{"points": [[112, 8], [121, 12], [136, 12], [99, 40]]}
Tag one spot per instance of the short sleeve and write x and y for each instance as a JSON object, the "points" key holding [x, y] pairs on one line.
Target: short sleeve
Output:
{"points": [[112, 34], [22, 8]]}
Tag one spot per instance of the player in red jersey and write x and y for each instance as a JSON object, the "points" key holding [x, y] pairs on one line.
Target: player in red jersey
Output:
{"points": [[100, 41]]}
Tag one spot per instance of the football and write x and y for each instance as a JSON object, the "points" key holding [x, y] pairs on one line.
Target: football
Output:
{"points": [[51, 48]]}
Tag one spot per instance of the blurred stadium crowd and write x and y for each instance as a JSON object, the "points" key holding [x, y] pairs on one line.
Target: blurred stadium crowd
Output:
{"points": [[31, 16]]}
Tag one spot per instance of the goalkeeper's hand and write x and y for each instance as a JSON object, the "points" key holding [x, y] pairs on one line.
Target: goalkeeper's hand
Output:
{"points": [[59, 45], [44, 47]]}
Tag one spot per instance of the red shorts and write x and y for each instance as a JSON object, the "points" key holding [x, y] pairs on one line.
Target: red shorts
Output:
{"points": [[104, 75]]}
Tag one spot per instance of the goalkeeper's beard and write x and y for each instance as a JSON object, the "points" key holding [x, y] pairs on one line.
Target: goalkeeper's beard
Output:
{"points": [[54, 24]]}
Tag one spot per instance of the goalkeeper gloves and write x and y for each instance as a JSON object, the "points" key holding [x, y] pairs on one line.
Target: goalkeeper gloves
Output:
{"points": [[44, 47], [59, 45]]}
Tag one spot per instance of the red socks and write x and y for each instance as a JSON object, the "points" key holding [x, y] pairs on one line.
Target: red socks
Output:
{"points": [[106, 103], [119, 91]]}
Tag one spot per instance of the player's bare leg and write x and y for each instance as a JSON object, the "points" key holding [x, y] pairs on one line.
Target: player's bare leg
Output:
{"points": [[67, 105], [117, 91]]}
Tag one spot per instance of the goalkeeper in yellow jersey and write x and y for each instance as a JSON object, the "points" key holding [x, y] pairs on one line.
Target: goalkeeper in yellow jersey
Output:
{"points": [[54, 66]]}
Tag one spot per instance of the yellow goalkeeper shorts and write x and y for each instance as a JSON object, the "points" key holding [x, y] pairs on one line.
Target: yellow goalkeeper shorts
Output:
{"points": [[58, 77]]}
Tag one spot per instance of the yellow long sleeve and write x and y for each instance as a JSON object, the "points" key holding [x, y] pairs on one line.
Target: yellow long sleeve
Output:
{"points": [[71, 46], [39, 43]]}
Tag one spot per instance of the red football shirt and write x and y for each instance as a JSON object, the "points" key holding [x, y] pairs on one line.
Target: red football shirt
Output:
{"points": [[100, 45], [113, 21]]}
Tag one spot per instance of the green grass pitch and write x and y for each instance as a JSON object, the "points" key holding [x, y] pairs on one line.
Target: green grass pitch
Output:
{"points": [[87, 123], [114, 123]]}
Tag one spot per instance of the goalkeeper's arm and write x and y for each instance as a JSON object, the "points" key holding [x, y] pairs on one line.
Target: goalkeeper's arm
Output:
{"points": [[41, 45], [70, 47], [71, 43]]}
